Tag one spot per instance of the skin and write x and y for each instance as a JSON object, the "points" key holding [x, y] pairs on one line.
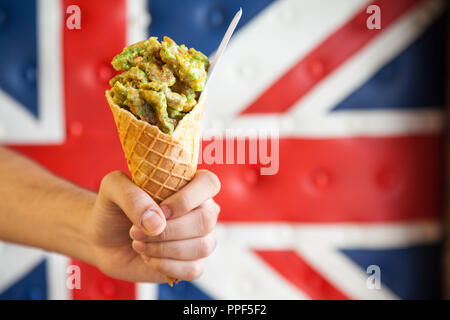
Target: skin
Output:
{"points": [[120, 229]]}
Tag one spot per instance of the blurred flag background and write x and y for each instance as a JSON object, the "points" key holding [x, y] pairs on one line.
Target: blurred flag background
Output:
{"points": [[360, 117]]}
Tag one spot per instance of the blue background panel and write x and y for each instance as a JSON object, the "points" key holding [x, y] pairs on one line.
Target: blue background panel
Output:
{"points": [[411, 273], [199, 23], [18, 36], [181, 291]]}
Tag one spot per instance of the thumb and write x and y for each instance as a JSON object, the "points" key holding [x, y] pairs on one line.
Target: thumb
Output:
{"points": [[117, 189]]}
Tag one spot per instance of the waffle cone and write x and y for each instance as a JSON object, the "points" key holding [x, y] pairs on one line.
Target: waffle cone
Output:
{"points": [[159, 163]]}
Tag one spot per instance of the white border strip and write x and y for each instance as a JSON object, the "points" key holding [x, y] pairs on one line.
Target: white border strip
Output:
{"points": [[346, 235], [146, 291], [367, 123], [138, 20], [20, 126], [56, 274]]}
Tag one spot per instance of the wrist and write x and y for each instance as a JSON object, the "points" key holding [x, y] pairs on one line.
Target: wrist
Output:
{"points": [[78, 229]]}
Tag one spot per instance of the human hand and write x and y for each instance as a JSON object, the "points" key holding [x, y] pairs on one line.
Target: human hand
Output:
{"points": [[173, 239]]}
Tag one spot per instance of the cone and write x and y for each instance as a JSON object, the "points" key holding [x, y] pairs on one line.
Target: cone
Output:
{"points": [[159, 163]]}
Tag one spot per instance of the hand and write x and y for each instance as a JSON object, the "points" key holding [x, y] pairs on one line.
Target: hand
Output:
{"points": [[172, 240]]}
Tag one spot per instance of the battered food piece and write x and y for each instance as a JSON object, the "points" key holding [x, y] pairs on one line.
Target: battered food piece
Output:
{"points": [[161, 82]]}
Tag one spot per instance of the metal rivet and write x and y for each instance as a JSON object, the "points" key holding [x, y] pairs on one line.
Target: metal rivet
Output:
{"points": [[76, 129], [108, 288], [286, 234], [321, 179], [289, 15], [105, 72], [386, 179], [245, 286], [247, 70], [316, 68], [2, 16], [216, 18], [251, 175], [29, 73], [35, 293]]}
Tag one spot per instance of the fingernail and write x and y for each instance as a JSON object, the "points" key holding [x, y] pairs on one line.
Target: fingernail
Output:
{"points": [[151, 221], [166, 210], [137, 234]]}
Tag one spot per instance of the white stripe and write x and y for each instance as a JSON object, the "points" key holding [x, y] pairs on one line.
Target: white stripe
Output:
{"points": [[237, 273], [268, 46], [146, 291], [20, 126], [347, 276], [57, 277], [357, 235], [15, 262], [138, 20], [357, 70], [345, 123]]}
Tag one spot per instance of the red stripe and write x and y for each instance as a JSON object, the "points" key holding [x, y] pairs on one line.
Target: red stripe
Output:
{"points": [[361, 180], [97, 286], [298, 272], [327, 57], [87, 53]]}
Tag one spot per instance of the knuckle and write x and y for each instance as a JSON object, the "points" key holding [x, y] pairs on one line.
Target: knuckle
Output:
{"points": [[212, 180], [216, 207], [207, 221], [183, 202], [107, 179], [193, 271], [163, 236], [157, 249], [176, 252], [206, 246], [130, 196], [113, 175]]}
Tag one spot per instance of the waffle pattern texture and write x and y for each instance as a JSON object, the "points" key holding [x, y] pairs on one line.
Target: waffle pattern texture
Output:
{"points": [[159, 163]]}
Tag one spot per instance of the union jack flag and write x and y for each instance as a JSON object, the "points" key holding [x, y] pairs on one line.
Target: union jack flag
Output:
{"points": [[360, 117]]}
